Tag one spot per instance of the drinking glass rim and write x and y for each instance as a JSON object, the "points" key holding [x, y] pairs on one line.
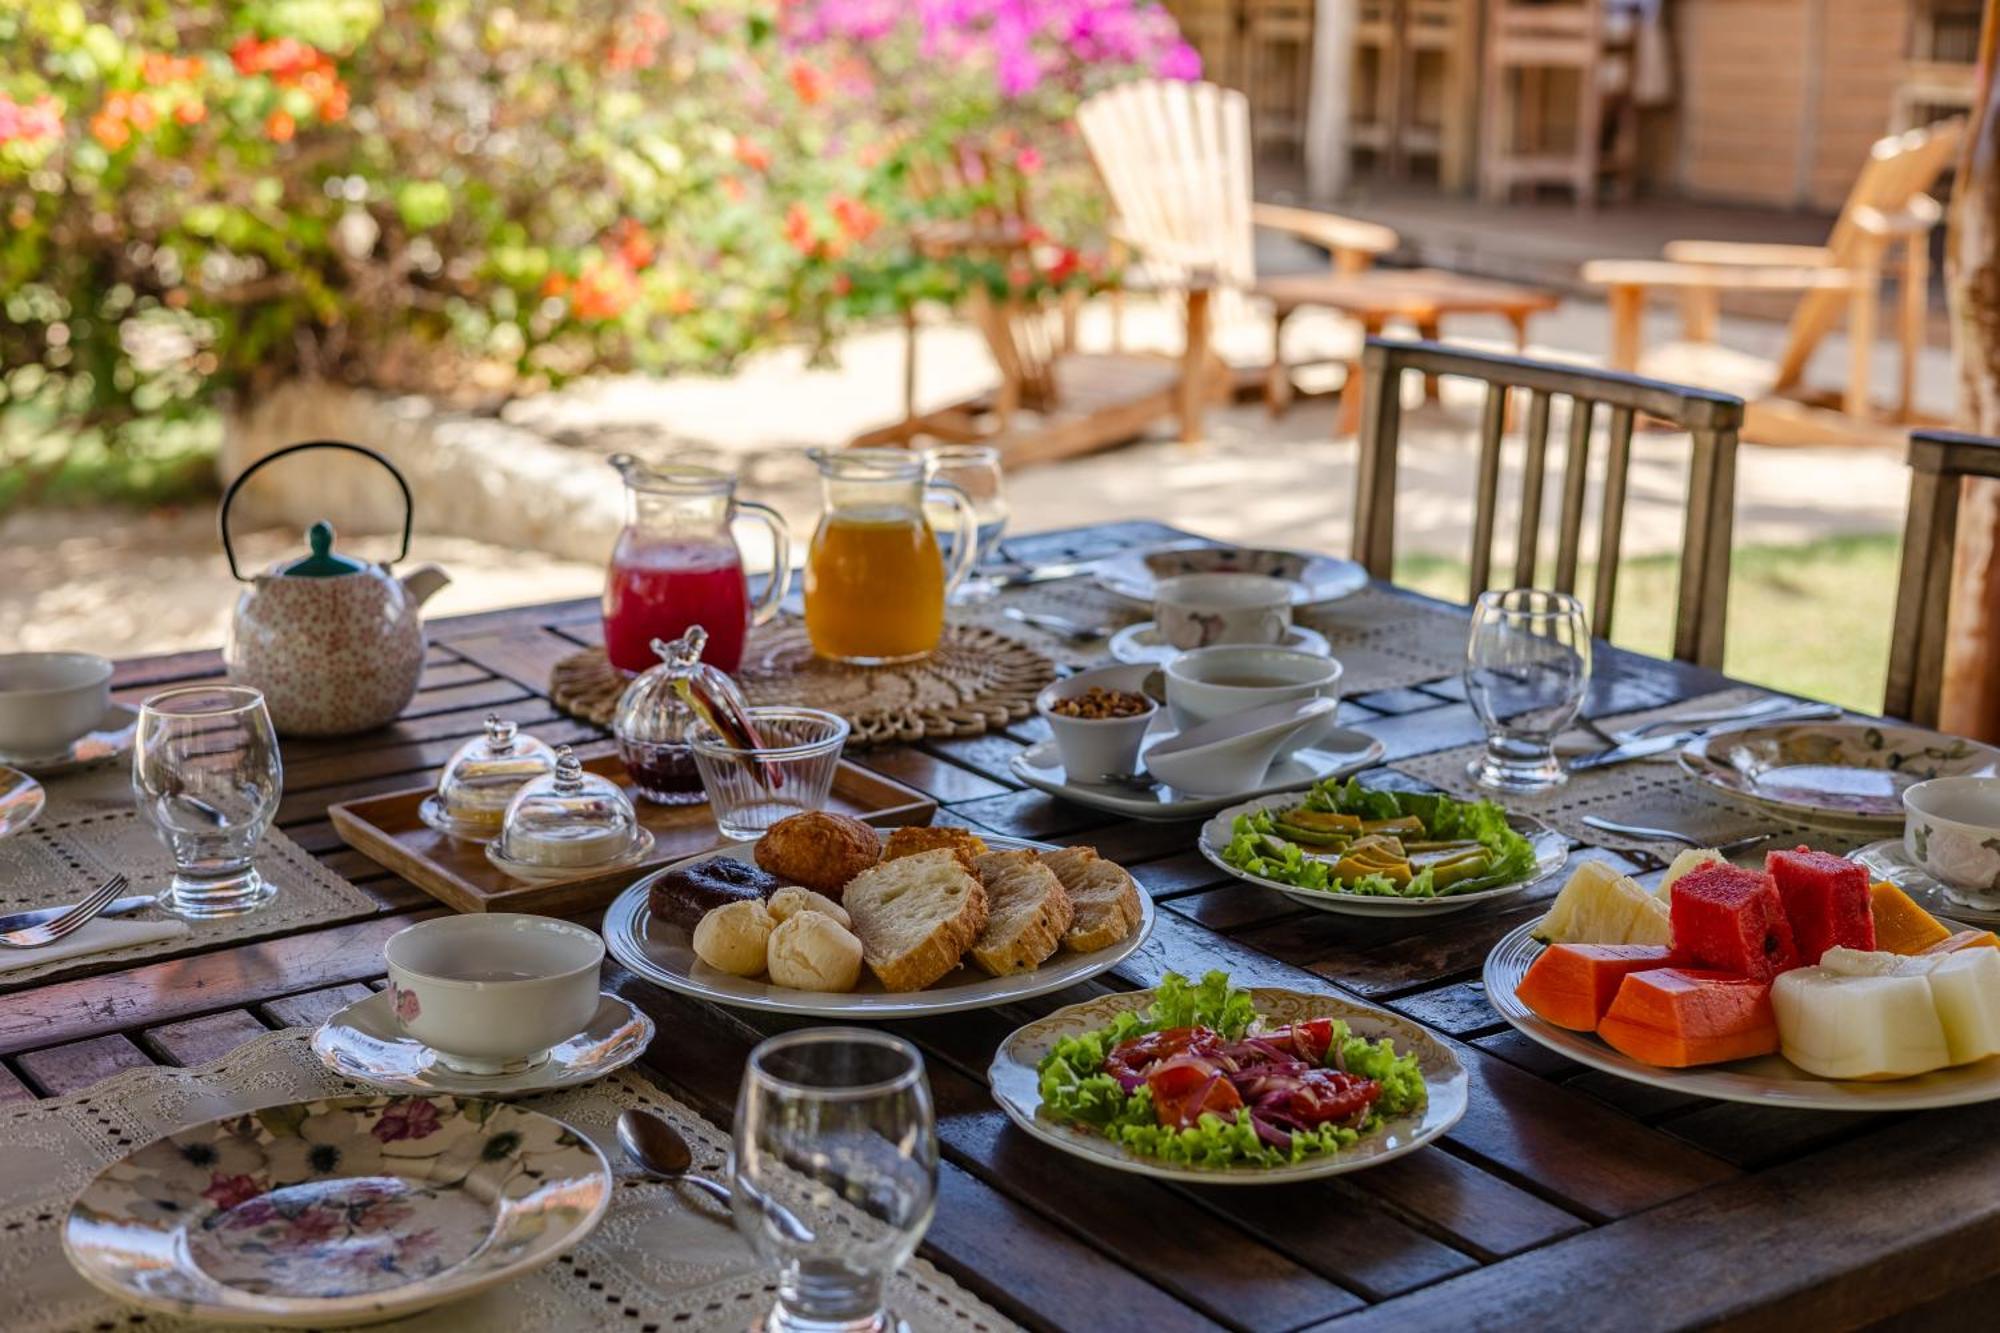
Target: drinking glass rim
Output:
{"points": [[708, 741], [250, 698], [902, 1082], [1562, 603]]}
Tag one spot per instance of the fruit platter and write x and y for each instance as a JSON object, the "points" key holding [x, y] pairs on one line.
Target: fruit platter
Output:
{"points": [[1342, 847], [1218, 1084], [1801, 984], [824, 916]]}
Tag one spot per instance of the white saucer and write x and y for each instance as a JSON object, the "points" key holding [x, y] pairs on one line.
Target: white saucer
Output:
{"points": [[1341, 752], [364, 1042], [1890, 860], [111, 737], [1142, 643]]}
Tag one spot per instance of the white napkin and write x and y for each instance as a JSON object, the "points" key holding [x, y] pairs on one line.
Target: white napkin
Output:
{"points": [[101, 934]]}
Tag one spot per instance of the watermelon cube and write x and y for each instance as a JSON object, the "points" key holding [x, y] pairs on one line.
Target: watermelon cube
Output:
{"points": [[1826, 900], [1732, 920]]}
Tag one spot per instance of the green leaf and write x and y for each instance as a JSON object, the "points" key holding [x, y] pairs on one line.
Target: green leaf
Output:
{"points": [[423, 204]]}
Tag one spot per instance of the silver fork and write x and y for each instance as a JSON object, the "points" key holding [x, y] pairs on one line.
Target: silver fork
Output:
{"points": [[1785, 710], [34, 937]]}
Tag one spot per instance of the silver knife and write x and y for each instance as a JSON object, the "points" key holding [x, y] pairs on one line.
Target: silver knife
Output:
{"points": [[1067, 569], [1644, 748], [118, 907]]}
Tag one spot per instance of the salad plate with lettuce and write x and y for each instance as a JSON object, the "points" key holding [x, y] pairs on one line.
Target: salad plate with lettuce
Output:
{"points": [[1351, 849], [1218, 1084]]}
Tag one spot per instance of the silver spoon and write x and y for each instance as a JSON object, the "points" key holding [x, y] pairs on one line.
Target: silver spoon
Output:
{"points": [[658, 1148]]}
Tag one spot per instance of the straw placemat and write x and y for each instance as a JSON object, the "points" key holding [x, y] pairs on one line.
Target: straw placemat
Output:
{"points": [[977, 681], [661, 1258], [1655, 792], [90, 831]]}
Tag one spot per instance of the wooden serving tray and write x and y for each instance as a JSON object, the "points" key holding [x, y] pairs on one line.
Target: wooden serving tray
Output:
{"points": [[387, 830]]}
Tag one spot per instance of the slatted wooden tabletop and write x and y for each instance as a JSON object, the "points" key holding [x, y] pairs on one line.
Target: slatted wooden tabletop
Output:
{"points": [[1565, 1198]]}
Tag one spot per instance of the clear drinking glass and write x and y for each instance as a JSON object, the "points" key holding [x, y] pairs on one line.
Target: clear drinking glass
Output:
{"points": [[206, 774], [751, 789], [1527, 666], [975, 470], [834, 1125]]}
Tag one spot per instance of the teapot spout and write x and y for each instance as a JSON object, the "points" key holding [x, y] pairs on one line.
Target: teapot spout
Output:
{"points": [[423, 581]]}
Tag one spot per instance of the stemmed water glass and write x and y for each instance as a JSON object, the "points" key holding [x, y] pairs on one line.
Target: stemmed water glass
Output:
{"points": [[206, 775], [975, 470], [834, 1126], [1527, 667]]}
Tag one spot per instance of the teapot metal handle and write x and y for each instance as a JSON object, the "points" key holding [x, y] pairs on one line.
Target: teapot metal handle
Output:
{"points": [[229, 495]]}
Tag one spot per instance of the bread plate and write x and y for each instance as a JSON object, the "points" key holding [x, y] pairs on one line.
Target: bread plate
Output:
{"points": [[664, 954]]}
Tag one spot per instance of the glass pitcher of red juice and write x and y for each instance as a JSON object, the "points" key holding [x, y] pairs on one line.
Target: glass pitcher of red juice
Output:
{"points": [[676, 565]]}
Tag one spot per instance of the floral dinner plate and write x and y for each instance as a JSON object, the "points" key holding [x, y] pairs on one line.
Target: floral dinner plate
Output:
{"points": [[337, 1212], [1851, 773], [1136, 575]]}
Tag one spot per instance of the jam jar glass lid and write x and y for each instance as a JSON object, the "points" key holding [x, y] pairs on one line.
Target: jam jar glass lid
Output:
{"points": [[664, 703]]}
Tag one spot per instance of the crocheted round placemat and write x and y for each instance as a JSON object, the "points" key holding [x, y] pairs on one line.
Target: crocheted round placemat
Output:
{"points": [[977, 680]]}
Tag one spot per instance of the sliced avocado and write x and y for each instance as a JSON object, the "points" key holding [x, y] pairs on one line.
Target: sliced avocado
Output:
{"points": [[1351, 867], [1322, 822], [1446, 873], [1310, 837], [1402, 824]]}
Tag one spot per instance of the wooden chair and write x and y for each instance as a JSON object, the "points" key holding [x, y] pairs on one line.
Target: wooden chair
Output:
{"points": [[1176, 160], [1414, 75], [1940, 461], [1888, 205], [1529, 135], [1713, 419]]}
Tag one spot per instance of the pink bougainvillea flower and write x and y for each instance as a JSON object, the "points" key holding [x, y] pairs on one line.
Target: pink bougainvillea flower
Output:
{"points": [[1027, 161], [1180, 62], [29, 122]]}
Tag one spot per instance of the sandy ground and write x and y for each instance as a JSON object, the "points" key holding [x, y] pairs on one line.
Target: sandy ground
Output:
{"points": [[123, 583]]}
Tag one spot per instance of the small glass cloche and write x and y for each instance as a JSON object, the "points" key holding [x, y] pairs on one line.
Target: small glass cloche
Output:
{"points": [[568, 821], [658, 711], [477, 782]]}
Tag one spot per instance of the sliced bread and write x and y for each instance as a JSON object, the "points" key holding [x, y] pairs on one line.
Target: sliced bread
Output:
{"points": [[916, 917], [1027, 911], [968, 846], [1105, 899]]}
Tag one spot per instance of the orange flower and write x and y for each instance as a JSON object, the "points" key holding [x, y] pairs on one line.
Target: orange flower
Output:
{"points": [[870, 155], [799, 228], [752, 154], [110, 130], [191, 113], [602, 292], [280, 127], [809, 83], [158, 67], [635, 249], [734, 189], [333, 106], [857, 219], [142, 113], [247, 55], [555, 285], [680, 302]]}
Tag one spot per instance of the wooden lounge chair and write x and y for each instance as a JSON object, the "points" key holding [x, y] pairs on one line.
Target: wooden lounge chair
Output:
{"points": [[1887, 205], [1713, 419], [1176, 159]]}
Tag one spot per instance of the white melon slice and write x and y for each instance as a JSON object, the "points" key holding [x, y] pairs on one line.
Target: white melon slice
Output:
{"points": [[1601, 906], [1691, 859], [1965, 987], [1853, 1025]]}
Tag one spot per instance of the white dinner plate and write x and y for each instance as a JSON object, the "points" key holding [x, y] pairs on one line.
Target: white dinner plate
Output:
{"points": [[1551, 854], [1846, 774], [1767, 1080], [1017, 1087], [1341, 752], [346, 1211], [1142, 643], [1136, 575], [664, 954]]}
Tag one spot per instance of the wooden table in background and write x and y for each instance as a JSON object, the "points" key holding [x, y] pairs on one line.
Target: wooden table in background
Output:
{"points": [[1565, 1198]]}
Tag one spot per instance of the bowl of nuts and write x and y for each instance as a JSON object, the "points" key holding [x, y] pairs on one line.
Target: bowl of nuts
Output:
{"points": [[1099, 719]]}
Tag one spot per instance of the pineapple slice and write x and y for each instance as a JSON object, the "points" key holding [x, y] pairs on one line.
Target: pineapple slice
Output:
{"points": [[1600, 906], [1692, 858]]}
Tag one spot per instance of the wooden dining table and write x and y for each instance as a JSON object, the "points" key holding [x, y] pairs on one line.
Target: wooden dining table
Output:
{"points": [[1565, 1198]]}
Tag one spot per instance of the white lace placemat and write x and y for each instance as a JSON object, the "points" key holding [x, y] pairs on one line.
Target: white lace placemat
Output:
{"points": [[662, 1258], [90, 831], [1655, 793]]}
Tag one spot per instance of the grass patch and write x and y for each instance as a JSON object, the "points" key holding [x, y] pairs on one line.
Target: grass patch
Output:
{"points": [[150, 462], [1812, 619]]}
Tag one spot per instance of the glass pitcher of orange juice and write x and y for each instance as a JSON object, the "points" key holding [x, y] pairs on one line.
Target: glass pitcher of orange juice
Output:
{"points": [[875, 582]]}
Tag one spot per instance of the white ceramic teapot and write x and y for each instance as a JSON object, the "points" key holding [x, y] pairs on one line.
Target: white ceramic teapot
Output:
{"points": [[335, 644]]}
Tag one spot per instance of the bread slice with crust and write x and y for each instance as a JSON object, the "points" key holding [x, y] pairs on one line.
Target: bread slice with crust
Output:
{"points": [[1105, 898], [1027, 912], [909, 841], [916, 917]]}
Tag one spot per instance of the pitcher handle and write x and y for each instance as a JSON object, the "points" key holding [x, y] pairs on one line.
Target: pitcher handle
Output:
{"points": [[965, 549], [781, 558]]}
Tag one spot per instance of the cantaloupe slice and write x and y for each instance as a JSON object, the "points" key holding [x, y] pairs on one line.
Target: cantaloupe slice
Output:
{"points": [[1900, 925], [1965, 939], [1571, 985], [1676, 1017]]}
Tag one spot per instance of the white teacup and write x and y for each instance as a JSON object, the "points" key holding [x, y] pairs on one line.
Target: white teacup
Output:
{"points": [[1952, 830], [491, 993], [1229, 678], [48, 700], [1197, 610]]}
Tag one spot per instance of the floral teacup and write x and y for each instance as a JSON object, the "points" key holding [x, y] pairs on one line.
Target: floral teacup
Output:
{"points": [[1196, 610], [1952, 830], [492, 993]]}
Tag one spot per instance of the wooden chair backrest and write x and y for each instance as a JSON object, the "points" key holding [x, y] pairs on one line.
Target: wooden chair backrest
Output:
{"points": [[1712, 418], [1176, 158], [1940, 460], [1899, 168]]}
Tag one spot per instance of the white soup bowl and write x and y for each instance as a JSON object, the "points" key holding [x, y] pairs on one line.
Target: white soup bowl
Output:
{"points": [[48, 700]]}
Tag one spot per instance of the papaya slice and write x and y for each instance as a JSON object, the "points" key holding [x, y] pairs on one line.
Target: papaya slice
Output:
{"points": [[1900, 925], [1571, 985], [1677, 1017]]}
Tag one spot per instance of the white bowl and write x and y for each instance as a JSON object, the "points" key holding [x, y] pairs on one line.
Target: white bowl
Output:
{"points": [[1200, 686], [1233, 753], [1100, 747], [48, 700], [491, 993], [1952, 830]]}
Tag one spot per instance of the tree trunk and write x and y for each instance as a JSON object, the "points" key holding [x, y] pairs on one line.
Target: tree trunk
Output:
{"points": [[1971, 703]]}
